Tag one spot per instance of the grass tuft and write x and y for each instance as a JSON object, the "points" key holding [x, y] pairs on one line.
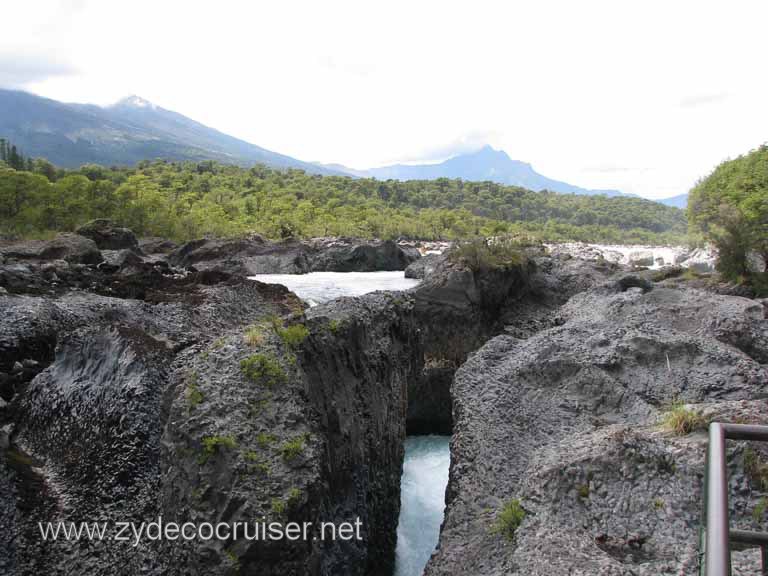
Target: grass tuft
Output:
{"points": [[509, 519], [681, 420]]}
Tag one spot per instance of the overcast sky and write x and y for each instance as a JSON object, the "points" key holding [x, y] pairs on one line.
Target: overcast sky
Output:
{"points": [[642, 96]]}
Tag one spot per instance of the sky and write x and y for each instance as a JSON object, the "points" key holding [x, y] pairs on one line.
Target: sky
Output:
{"points": [[642, 96]]}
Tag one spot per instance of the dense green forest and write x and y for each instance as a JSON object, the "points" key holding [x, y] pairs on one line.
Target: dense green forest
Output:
{"points": [[189, 200], [730, 208]]}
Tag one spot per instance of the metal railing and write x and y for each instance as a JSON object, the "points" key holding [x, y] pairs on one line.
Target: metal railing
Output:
{"points": [[716, 534]]}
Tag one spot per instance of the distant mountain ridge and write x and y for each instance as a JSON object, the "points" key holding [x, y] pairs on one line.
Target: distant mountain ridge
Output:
{"points": [[679, 201], [132, 130], [485, 164]]}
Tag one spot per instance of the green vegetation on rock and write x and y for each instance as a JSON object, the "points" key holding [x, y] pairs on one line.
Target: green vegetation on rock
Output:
{"points": [[293, 335], [509, 519], [212, 444], [264, 439], [194, 396], [263, 368], [490, 253], [293, 448], [681, 420]]}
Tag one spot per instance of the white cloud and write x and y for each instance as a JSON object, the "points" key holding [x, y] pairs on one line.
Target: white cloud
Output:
{"points": [[22, 68], [563, 85]]}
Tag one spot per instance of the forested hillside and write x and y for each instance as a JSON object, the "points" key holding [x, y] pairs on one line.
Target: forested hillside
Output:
{"points": [[188, 200]]}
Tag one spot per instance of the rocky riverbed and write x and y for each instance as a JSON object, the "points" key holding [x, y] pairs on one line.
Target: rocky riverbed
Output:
{"points": [[139, 378]]}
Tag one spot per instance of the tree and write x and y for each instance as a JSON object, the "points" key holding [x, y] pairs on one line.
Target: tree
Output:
{"points": [[730, 208]]}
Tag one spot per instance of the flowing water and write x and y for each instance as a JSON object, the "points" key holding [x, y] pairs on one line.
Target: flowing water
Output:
{"points": [[427, 458], [422, 501], [318, 287]]}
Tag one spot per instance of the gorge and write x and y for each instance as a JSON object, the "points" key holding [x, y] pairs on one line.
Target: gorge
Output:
{"points": [[145, 381]]}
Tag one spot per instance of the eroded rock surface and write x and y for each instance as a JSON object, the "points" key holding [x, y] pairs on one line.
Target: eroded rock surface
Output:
{"points": [[125, 399], [567, 422], [258, 256]]}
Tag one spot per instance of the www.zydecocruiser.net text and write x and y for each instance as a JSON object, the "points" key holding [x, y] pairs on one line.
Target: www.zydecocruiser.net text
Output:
{"points": [[134, 532]]}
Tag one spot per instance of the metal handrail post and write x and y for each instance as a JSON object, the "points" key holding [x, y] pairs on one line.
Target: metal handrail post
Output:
{"points": [[718, 548]]}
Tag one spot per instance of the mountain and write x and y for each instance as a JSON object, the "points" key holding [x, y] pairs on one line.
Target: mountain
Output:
{"points": [[484, 164], [679, 201], [134, 129]]}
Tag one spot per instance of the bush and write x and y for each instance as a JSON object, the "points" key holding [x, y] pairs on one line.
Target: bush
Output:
{"points": [[509, 519], [681, 420], [278, 506], [263, 367], [211, 445], [293, 448], [293, 335], [194, 396], [264, 439], [489, 253], [728, 207]]}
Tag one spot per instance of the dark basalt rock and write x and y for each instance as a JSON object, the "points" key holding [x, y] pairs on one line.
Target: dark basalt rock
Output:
{"points": [[107, 235], [258, 256], [342, 255], [71, 248], [568, 421], [423, 267], [119, 381], [154, 245]]}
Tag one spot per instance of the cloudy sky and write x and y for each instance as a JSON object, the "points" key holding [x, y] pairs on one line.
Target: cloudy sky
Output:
{"points": [[643, 96]]}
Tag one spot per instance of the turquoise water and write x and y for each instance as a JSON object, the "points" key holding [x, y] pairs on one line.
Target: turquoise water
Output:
{"points": [[422, 501]]}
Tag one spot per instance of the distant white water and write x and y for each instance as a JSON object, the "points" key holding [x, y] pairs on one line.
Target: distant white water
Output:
{"points": [[653, 257], [422, 501], [318, 287]]}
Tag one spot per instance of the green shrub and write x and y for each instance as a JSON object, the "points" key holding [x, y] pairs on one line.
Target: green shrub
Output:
{"points": [[293, 448], [509, 519], [264, 439], [194, 396], [254, 463], [256, 408], [212, 444], [263, 367], [293, 335], [294, 496], [489, 253], [334, 326], [278, 506], [681, 420], [583, 491]]}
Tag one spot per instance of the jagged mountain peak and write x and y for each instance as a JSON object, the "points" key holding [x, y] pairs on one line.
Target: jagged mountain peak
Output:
{"points": [[134, 101]]}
